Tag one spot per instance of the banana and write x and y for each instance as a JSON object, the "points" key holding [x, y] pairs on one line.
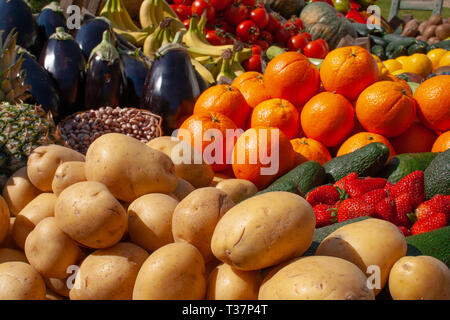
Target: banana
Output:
{"points": [[226, 74], [137, 38], [112, 15], [151, 13], [125, 16], [167, 10], [203, 71]]}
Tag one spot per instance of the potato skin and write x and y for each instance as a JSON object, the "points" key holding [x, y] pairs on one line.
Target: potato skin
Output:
{"points": [[183, 189], [238, 189], [19, 281], [4, 219], [228, 283], [150, 220], [9, 242], [19, 191], [111, 273], [67, 174], [10, 255], [59, 286], [43, 162], [371, 242], [90, 215], [173, 272], [264, 230], [419, 278], [316, 278], [129, 168], [196, 216]]}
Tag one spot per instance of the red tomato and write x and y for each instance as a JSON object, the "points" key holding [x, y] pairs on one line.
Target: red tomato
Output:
{"points": [[187, 23], [236, 13], [220, 24], [282, 36], [266, 36], [253, 63], [315, 49], [307, 36], [216, 38], [201, 6], [324, 43], [248, 31], [220, 4], [249, 3], [264, 45], [185, 2], [183, 12], [298, 23], [297, 42], [256, 49], [260, 17], [273, 25]]}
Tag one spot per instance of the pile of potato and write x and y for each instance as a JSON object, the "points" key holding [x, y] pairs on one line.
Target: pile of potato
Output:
{"points": [[132, 221], [432, 31]]}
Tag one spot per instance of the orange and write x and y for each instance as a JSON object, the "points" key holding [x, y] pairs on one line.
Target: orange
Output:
{"points": [[433, 99], [291, 76], [417, 138], [442, 143], [362, 139], [224, 99], [386, 108], [311, 150], [348, 71], [207, 132], [403, 83], [277, 113], [261, 155], [328, 118], [251, 85]]}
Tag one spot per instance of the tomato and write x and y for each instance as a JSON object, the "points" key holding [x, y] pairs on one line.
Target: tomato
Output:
{"points": [[236, 13], [187, 23], [220, 24], [183, 12], [248, 31], [253, 63], [249, 3], [297, 42], [185, 2], [282, 36], [324, 43], [315, 49], [260, 17], [307, 36], [264, 45], [273, 25], [201, 6], [266, 36], [298, 23], [220, 4], [256, 49], [216, 38]]}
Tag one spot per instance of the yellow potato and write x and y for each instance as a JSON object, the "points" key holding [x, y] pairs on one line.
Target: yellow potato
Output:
{"points": [[50, 295], [4, 219], [90, 215], [183, 189], [150, 220], [19, 281], [59, 286], [173, 272], [19, 191], [419, 278], [9, 242], [372, 245], [264, 230], [129, 168], [238, 189], [196, 216], [41, 207], [109, 274], [67, 174], [43, 162], [198, 173], [316, 278], [228, 283], [9, 255], [218, 178]]}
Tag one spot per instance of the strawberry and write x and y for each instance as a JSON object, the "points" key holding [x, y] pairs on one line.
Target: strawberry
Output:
{"points": [[431, 222], [326, 194], [353, 208], [404, 209], [439, 203], [324, 215], [341, 183], [358, 187], [405, 231], [388, 186], [374, 196], [413, 184], [385, 209]]}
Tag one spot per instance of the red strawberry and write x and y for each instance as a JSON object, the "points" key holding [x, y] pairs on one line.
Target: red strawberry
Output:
{"points": [[404, 209], [353, 208], [324, 194], [374, 196], [358, 187], [404, 230], [385, 209], [341, 183], [439, 203], [413, 184], [388, 186], [324, 215], [429, 223]]}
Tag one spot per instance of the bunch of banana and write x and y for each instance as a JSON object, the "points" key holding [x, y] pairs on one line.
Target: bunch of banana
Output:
{"points": [[163, 34], [152, 12]]}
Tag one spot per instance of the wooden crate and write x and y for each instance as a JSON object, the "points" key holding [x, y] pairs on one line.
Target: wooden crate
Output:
{"points": [[434, 6], [87, 6]]}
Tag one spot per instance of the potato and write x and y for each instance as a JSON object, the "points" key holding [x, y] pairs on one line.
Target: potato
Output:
{"points": [[264, 230], [59, 286], [411, 28], [196, 216], [129, 168], [19, 281], [192, 169], [109, 274], [316, 278], [50, 295], [41, 207], [238, 189], [435, 19], [173, 272], [419, 278], [422, 38], [228, 283], [43, 162], [19, 191], [4, 219], [9, 242], [430, 31], [371, 242], [150, 220], [433, 40], [49, 250], [422, 27], [443, 31], [67, 174], [9, 255], [183, 189], [90, 215], [218, 178]]}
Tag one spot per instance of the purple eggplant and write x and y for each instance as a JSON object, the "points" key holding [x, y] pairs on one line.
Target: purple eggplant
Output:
{"points": [[65, 62], [105, 78], [48, 20], [171, 87], [16, 14], [90, 35], [135, 72]]}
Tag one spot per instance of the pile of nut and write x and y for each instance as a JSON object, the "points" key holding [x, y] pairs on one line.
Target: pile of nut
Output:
{"points": [[81, 129]]}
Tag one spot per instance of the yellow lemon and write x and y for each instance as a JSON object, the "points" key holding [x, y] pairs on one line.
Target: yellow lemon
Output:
{"points": [[435, 56], [445, 60], [402, 59], [392, 65], [400, 71], [418, 63], [377, 59], [382, 69]]}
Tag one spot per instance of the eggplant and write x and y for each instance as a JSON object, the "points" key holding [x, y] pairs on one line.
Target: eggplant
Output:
{"points": [[65, 62], [90, 35], [105, 78], [135, 73], [48, 20], [16, 14], [171, 87]]}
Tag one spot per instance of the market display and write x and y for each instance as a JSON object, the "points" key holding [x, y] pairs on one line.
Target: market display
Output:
{"points": [[223, 150]]}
